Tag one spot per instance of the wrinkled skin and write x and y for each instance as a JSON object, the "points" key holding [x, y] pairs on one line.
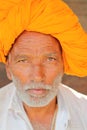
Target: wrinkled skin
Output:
{"points": [[35, 65]]}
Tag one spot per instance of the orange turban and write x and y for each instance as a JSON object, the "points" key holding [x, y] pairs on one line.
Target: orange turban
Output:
{"points": [[46, 16]]}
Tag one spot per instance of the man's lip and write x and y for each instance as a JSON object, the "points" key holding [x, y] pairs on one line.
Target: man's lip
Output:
{"points": [[37, 91]]}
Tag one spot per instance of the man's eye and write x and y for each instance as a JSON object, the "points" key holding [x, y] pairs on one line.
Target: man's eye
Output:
{"points": [[22, 60], [51, 59]]}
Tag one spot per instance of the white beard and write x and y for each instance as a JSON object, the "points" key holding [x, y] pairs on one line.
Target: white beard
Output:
{"points": [[34, 100]]}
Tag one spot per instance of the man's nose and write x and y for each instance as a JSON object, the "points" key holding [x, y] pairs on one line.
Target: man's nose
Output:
{"points": [[38, 73]]}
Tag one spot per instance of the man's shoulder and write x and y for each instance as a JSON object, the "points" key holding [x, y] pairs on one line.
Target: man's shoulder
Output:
{"points": [[6, 93], [76, 104], [73, 96], [7, 88], [74, 100], [69, 92]]}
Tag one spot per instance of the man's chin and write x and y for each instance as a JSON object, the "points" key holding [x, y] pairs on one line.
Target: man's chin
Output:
{"points": [[35, 100]]}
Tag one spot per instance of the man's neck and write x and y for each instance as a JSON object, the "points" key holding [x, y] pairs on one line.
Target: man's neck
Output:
{"points": [[41, 116]]}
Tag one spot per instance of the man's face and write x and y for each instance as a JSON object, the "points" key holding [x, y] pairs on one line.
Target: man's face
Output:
{"points": [[36, 68]]}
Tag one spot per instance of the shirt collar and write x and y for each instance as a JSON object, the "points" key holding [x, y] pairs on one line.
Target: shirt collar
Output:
{"points": [[15, 102]]}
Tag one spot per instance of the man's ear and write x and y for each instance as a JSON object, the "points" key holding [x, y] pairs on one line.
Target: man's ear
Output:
{"points": [[8, 71]]}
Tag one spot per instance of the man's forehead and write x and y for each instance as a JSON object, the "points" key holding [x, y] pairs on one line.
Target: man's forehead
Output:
{"points": [[35, 41], [35, 37], [28, 35]]}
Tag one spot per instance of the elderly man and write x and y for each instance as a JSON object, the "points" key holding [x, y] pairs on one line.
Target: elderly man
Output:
{"points": [[38, 44]]}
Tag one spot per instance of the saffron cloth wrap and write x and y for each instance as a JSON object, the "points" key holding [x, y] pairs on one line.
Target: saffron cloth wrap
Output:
{"points": [[52, 17]]}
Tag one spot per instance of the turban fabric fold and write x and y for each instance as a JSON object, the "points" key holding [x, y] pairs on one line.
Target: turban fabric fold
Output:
{"points": [[52, 17]]}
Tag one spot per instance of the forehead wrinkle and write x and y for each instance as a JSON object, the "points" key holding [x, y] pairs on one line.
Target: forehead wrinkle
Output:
{"points": [[37, 53], [32, 38], [30, 48], [33, 42]]}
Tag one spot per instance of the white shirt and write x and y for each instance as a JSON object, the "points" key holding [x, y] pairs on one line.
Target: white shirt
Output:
{"points": [[71, 113]]}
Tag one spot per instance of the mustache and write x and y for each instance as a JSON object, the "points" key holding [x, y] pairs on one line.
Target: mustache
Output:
{"points": [[37, 86]]}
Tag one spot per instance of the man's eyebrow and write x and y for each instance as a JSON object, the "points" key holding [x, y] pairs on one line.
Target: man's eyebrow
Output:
{"points": [[52, 54], [20, 56]]}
